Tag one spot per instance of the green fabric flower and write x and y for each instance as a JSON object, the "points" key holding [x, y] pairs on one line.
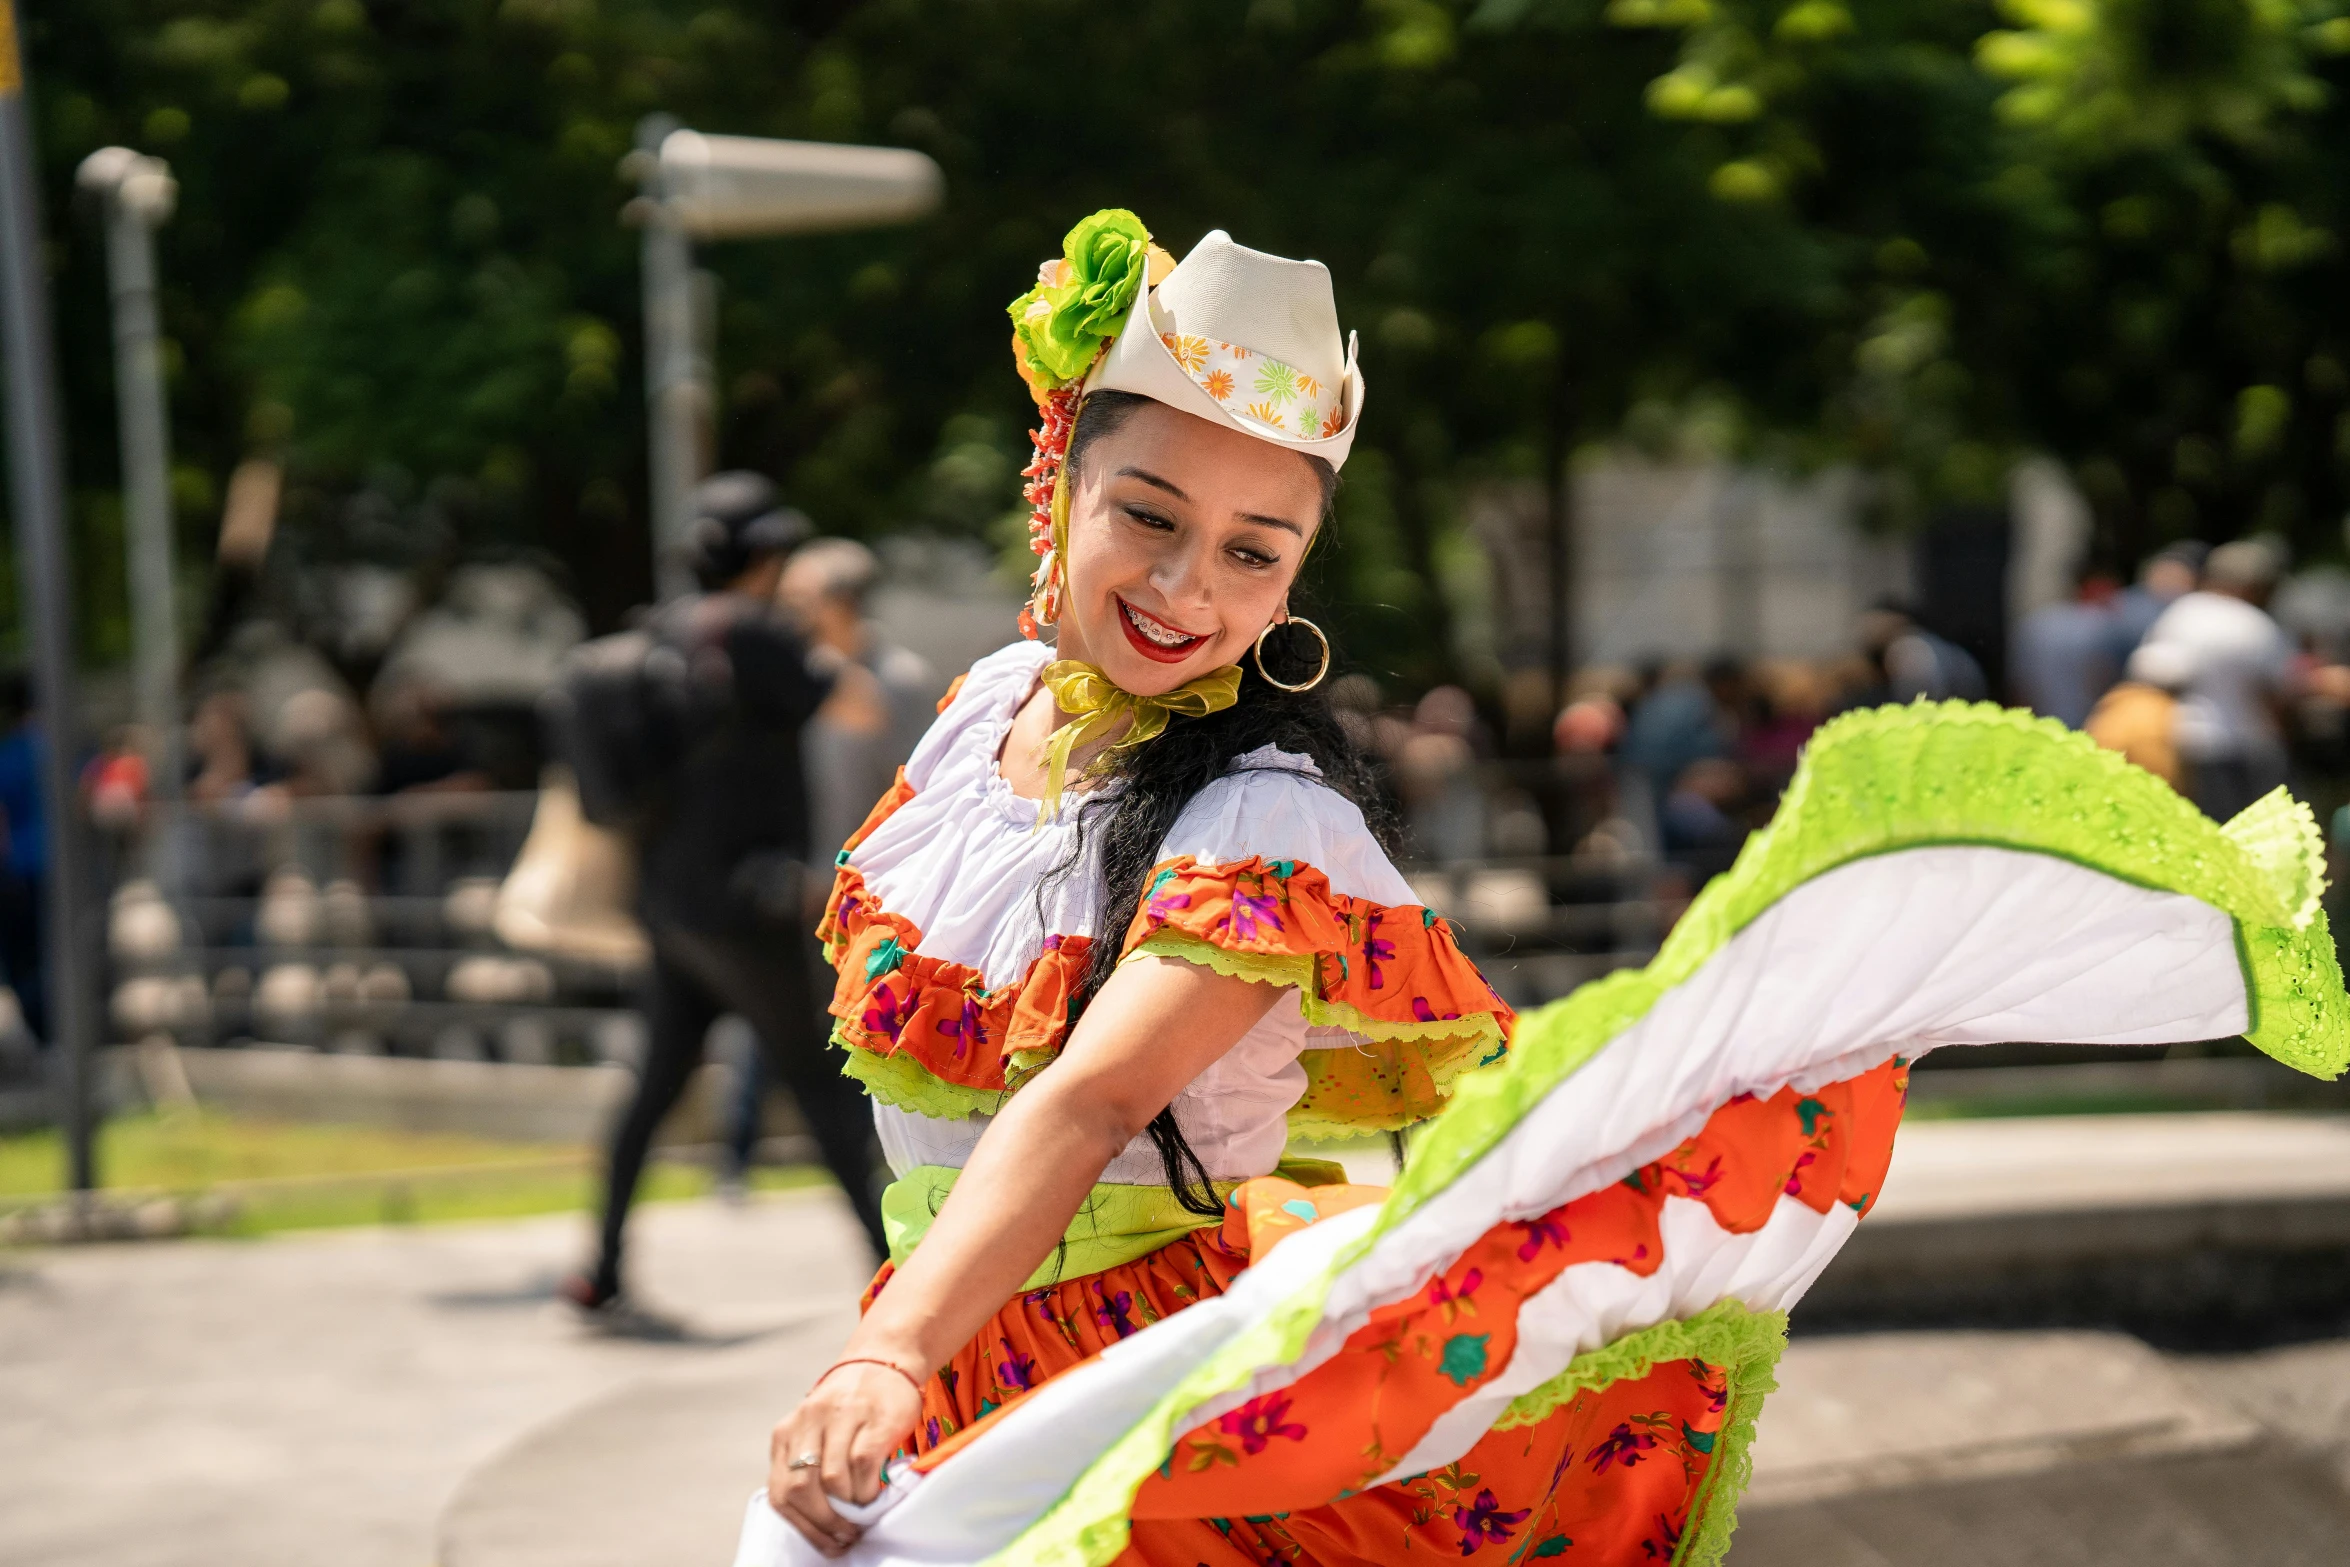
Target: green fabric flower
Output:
{"points": [[1106, 255]]}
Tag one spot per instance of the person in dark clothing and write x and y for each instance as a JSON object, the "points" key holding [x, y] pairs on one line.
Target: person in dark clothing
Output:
{"points": [[24, 852], [722, 863]]}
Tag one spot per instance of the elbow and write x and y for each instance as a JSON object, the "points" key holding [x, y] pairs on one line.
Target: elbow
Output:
{"points": [[1094, 1111]]}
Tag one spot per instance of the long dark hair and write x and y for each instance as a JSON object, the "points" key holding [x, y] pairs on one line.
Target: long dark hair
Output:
{"points": [[1122, 834]]}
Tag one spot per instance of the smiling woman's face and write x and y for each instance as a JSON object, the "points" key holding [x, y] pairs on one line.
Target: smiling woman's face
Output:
{"points": [[1184, 538]]}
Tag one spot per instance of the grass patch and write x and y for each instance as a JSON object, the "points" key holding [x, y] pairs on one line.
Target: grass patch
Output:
{"points": [[261, 1177]]}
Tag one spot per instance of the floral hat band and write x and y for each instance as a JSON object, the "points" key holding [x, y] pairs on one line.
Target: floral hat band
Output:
{"points": [[1269, 397]]}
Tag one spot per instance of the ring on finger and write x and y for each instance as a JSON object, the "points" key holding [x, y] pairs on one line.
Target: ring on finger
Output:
{"points": [[805, 1461]]}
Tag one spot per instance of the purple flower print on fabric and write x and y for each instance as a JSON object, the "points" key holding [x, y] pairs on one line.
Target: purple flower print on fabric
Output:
{"points": [[1483, 1522], [1540, 1232], [1163, 903], [1622, 1445], [1376, 950], [1116, 1312], [968, 1029], [888, 1013], [1016, 1370], [1260, 1420], [1253, 915]]}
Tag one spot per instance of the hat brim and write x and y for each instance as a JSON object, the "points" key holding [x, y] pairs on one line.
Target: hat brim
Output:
{"points": [[1139, 361]]}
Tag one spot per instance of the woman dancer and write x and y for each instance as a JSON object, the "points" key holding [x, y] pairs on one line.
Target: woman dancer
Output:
{"points": [[1121, 932], [1076, 1106]]}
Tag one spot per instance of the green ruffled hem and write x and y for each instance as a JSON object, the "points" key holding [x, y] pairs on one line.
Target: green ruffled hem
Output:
{"points": [[1872, 782], [1745, 1344]]}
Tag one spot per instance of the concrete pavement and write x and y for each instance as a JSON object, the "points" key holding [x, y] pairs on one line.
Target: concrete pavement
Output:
{"points": [[282, 1402], [393, 1398]]}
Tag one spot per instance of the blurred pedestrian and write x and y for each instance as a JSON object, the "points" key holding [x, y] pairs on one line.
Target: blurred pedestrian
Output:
{"points": [[2165, 576], [25, 866], [2139, 717], [2230, 733], [1796, 697], [723, 846], [2064, 654], [1912, 661], [419, 751], [1436, 773], [883, 696], [1676, 723], [1699, 819]]}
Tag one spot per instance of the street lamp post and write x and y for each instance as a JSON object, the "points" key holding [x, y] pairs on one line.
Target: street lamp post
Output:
{"points": [[696, 187], [138, 194], [36, 482]]}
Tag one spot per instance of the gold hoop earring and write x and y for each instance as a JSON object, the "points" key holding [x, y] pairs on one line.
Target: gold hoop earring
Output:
{"points": [[1294, 620]]}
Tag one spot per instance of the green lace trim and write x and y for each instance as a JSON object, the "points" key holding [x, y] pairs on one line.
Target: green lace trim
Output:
{"points": [[1263, 968], [1871, 783], [902, 1081], [1745, 1344]]}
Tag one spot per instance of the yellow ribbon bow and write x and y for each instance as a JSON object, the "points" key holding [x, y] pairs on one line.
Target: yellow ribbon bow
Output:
{"points": [[1083, 690]]}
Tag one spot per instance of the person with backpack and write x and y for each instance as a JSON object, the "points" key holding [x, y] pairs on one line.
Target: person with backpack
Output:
{"points": [[685, 735]]}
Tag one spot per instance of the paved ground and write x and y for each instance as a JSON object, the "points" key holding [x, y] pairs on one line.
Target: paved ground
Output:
{"points": [[283, 1402], [2250, 1509], [397, 1398]]}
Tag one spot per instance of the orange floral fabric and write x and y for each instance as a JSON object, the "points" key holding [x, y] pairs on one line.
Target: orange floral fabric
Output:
{"points": [[1608, 1477], [1387, 965], [1394, 975], [889, 1000]]}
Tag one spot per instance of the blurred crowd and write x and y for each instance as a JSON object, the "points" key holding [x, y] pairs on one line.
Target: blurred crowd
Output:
{"points": [[2216, 669]]}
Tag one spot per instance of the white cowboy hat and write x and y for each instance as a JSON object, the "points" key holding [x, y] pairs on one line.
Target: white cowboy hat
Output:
{"points": [[1246, 340]]}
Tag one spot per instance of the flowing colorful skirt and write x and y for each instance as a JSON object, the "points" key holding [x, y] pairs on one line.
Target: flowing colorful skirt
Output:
{"points": [[1551, 1340]]}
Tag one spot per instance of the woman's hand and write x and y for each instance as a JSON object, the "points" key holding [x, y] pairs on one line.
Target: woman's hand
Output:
{"points": [[850, 1422]]}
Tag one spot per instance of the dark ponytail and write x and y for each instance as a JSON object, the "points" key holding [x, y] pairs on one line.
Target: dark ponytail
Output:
{"points": [[1123, 831]]}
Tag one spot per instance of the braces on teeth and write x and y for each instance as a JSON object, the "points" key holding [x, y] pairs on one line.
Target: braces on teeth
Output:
{"points": [[1153, 631]]}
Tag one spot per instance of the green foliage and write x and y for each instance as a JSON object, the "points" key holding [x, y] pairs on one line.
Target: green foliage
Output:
{"points": [[2103, 228], [399, 259], [1923, 237]]}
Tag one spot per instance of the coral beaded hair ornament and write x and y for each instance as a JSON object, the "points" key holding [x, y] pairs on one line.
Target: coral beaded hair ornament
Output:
{"points": [[1230, 335]]}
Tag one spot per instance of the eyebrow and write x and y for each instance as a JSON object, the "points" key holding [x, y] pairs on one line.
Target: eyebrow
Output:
{"points": [[1157, 483]]}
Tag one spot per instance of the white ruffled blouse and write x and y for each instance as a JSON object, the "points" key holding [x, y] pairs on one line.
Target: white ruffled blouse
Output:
{"points": [[956, 909]]}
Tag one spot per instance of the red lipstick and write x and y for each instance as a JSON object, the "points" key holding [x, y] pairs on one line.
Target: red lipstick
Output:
{"points": [[1157, 652]]}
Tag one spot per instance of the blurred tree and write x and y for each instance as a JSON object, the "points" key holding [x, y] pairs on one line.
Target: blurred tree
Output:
{"points": [[398, 261], [1920, 235], [2103, 228]]}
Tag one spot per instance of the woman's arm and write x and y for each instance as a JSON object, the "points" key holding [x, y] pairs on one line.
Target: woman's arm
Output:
{"points": [[1155, 1026]]}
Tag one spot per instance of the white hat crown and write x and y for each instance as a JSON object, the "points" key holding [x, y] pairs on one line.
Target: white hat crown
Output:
{"points": [[1246, 340]]}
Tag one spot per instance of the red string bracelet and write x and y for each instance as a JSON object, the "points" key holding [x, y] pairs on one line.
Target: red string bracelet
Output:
{"points": [[869, 1360]]}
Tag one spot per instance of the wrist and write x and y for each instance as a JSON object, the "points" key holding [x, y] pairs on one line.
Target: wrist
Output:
{"points": [[898, 1352], [881, 1367]]}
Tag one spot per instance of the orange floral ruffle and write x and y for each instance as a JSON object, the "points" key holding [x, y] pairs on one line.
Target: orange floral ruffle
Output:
{"points": [[925, 1034], [1605, 1474], [1393, 976], [939, 1018]]}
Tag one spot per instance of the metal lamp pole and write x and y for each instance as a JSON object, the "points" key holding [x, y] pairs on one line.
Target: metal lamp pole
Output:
{"points": [[695, 187], [139, 194], [677, 398], [36, 481]]}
